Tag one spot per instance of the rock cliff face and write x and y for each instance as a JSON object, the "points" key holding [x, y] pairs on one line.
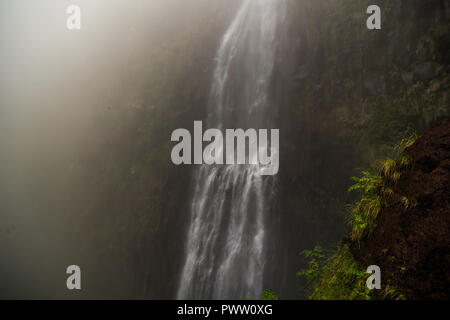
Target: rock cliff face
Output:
{"points": [[347, 96], [412, 244]]}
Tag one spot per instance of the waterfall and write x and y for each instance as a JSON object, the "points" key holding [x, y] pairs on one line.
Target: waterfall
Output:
{"points": [[225, 242]]}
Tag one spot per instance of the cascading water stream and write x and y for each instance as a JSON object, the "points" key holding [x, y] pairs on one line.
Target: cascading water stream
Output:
{"points": [[225, 241]]}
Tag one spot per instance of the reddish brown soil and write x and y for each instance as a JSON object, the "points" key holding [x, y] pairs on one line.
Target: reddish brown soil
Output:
{"points": [[412, 247]]}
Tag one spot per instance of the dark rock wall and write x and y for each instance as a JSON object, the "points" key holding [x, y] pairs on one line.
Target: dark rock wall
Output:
{"points": [[412, 245], [330, 74]]}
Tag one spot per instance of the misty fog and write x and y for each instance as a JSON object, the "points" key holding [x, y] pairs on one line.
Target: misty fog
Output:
{"points": [[61, 95]]}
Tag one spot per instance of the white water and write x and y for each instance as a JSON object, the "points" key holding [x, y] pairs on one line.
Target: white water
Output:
{"points": [[225, 243]]}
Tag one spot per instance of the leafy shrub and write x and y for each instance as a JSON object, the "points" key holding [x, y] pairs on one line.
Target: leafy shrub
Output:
{"points": [[269, 295], [335, 276], [376, 190]]}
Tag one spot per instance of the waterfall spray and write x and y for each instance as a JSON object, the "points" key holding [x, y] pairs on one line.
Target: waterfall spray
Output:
{"points": [[225, 240]]}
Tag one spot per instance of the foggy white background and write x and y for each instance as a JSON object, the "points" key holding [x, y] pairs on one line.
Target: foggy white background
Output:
{"points": [[56, 88]]}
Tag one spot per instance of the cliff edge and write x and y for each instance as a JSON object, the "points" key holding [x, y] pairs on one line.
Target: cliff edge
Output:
{"points": [[411, 240]]}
